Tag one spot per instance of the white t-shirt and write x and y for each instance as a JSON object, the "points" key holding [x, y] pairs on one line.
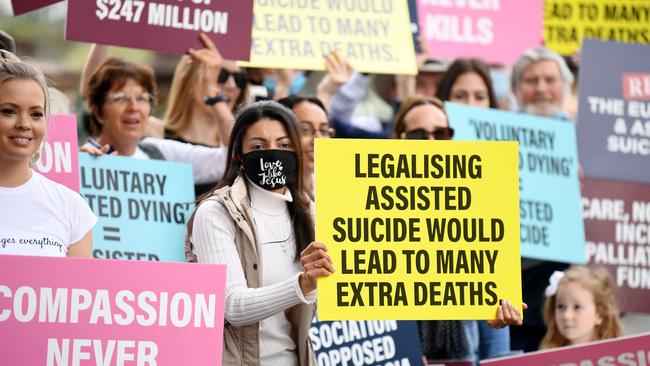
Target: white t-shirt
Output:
{"points": [[42, 217]]}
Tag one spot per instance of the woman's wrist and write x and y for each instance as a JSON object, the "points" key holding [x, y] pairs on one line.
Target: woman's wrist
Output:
{"points": [[306, 286], [212, 90]]}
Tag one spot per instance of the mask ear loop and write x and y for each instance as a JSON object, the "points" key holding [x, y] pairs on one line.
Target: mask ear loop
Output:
{"points": [[241, 162], [234, 157]]}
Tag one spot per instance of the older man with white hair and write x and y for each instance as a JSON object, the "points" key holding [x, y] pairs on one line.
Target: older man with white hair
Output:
{"points": [[541, 81]]}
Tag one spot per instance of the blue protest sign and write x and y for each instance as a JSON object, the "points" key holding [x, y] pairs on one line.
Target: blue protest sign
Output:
{"points": [[369, 342], [549, 188], [614, 118], [142, 206]]}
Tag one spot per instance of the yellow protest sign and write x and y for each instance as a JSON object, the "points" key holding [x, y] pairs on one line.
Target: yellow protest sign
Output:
{"points": [[567, 22], [417, 229], [373, 35]]}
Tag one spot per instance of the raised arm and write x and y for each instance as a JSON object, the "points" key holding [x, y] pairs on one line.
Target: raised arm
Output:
{"points": [[338, 73], [405, 84], [211, 63], [96, 55]]}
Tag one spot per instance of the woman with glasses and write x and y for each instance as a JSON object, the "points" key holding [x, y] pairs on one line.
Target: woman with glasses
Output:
{"points": [[422, 118], [259, 222], [314, 123], [120, 96]]}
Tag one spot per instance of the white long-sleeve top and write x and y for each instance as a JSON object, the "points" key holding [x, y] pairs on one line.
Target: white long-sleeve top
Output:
{"points": [[208, 163], [213, 236]]}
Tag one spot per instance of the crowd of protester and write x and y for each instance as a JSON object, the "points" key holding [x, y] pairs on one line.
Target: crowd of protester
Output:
{"points": [[264, 230]]}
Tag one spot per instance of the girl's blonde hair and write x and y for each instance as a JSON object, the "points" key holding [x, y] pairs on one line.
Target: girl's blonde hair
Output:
{"points": [[13, 68], [598, 282]]}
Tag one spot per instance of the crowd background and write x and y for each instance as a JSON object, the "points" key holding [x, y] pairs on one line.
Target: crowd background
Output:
{"points": [[39, 36]]}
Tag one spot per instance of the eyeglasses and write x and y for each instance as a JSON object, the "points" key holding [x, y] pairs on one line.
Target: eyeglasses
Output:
{"points": [[240, 78], [306, 129], [123, 98], [439, 133]]}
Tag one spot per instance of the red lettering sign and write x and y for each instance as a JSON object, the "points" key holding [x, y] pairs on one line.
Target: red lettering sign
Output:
{"points": [[636, 86]]}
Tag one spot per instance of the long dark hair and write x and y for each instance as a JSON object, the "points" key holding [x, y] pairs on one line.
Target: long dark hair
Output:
{"points": [[303, 225], [462, 66]]}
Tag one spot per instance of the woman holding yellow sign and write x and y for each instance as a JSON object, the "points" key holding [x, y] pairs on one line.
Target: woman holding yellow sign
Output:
{"points": [[258, 221], [424, 118]]}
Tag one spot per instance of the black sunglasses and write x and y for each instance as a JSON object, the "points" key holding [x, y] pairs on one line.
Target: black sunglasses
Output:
{"points": [[439, 133], [240, 78]]}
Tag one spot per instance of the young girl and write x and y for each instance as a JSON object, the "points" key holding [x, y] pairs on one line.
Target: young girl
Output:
{"points": [[580, 307]]}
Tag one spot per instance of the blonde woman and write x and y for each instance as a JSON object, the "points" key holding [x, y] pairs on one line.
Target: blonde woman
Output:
{"points": [[39, 217]]}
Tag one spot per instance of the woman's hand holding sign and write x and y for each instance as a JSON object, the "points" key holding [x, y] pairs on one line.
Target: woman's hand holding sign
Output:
{"points": [[315, 263], [507, 315]]}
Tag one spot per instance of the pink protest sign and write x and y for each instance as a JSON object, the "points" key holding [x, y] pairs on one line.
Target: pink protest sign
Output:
{"points": [[164, 25], [631, 350], [60, 157], [24, 6], [72, 311], [497, 31]]}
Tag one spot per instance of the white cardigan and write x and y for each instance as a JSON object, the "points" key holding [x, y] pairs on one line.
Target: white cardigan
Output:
{"points": [[213, 238]]}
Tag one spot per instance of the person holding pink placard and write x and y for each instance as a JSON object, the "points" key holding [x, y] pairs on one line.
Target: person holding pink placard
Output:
{"points": [[38, 216], [259, 222], [580, 308]]}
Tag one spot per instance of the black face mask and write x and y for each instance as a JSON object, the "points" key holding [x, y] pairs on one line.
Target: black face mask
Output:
{"points": [[270, 169]]}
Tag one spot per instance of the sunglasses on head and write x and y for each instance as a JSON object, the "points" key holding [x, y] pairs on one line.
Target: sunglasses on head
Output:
{"points": [[439, 133], [240, 78]]}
